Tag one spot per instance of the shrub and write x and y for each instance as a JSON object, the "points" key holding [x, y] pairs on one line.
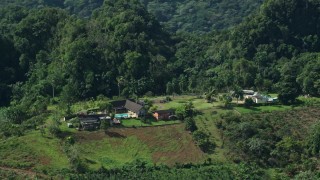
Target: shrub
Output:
{"points": [[203, 141], [70, 140], [54, 129], [148, 94], [248, 102], [190, 125]]}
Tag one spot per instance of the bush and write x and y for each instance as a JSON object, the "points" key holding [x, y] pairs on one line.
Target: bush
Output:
{"points": [[203, 141], [248, 102], [190, 125], [54, 129], [168, 99], [148, 94], [70, 140], [15, 115]]}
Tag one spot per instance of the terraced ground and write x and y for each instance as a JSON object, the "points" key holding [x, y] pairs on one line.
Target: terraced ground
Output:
{"points": [[156, 145]]}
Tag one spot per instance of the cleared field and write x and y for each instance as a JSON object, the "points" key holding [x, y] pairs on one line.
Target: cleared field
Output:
{"points": [[167, 145], [199, 103]]}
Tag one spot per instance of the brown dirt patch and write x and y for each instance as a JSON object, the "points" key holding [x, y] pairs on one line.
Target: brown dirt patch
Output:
{"points": [[83, 136], [45, 160]]}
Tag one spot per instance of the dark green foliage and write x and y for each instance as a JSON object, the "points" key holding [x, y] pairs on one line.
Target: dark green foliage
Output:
{"points": [[70, 140], [14, 115], [200, 16], [226, 100], [75, 161], [314, 140], [278, 139], [105, 124], [289, 89], [82, 8], [190, 124], [185, 111], [141, 170], [203, 141], [123, 50], [248, 102], [54, 128]]}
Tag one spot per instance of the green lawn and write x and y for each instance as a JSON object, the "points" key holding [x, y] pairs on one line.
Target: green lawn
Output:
{"points": [[138, 123]]}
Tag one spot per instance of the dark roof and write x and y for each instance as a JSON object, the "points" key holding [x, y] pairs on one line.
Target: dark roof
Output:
{"points": [[118, 104], [164, 111], [132, 106], [89, 120]]}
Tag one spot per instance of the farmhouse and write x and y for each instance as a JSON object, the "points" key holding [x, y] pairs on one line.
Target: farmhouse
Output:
{"points": [[163, 114], [134, 110], [127, 109], [260, 98]]}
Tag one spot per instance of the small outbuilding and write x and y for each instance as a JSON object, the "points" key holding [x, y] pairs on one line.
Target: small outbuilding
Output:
{"points": [[89, 123], [163, 114]]}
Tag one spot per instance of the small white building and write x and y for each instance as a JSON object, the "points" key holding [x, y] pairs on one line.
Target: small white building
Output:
{"points": [[260, 98]]}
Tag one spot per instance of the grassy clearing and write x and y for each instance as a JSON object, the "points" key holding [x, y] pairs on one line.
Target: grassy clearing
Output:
{"points": [[168, 144], [33, 151], [267, 108], [199, 104], [113, 152], [48, 151], [206, 122], [15, 153]]}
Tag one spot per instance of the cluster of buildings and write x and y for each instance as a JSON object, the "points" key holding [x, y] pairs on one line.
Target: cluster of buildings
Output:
{"points": [[123, 109], [258, 98]]}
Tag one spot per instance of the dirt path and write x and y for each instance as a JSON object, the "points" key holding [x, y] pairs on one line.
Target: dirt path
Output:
{"points": [[27, 173]]}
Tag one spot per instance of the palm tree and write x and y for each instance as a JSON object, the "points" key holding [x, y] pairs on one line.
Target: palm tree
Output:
{"points": [[238, 93], [120, 81]]}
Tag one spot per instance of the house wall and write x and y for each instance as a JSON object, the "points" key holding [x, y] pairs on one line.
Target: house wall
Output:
{"points": [[258, 101], [133, 114], [156, 115]]}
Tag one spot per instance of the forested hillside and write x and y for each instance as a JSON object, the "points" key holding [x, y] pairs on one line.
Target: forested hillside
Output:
{"points": [[200, 16], [177, 15], [82, 8], [51, 57], [123, 50], [275, 50]]}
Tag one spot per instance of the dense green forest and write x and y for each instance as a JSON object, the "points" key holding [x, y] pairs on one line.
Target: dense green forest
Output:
{"points": [[118, 48], [200, 16], [177, 15], [82, 8]]}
